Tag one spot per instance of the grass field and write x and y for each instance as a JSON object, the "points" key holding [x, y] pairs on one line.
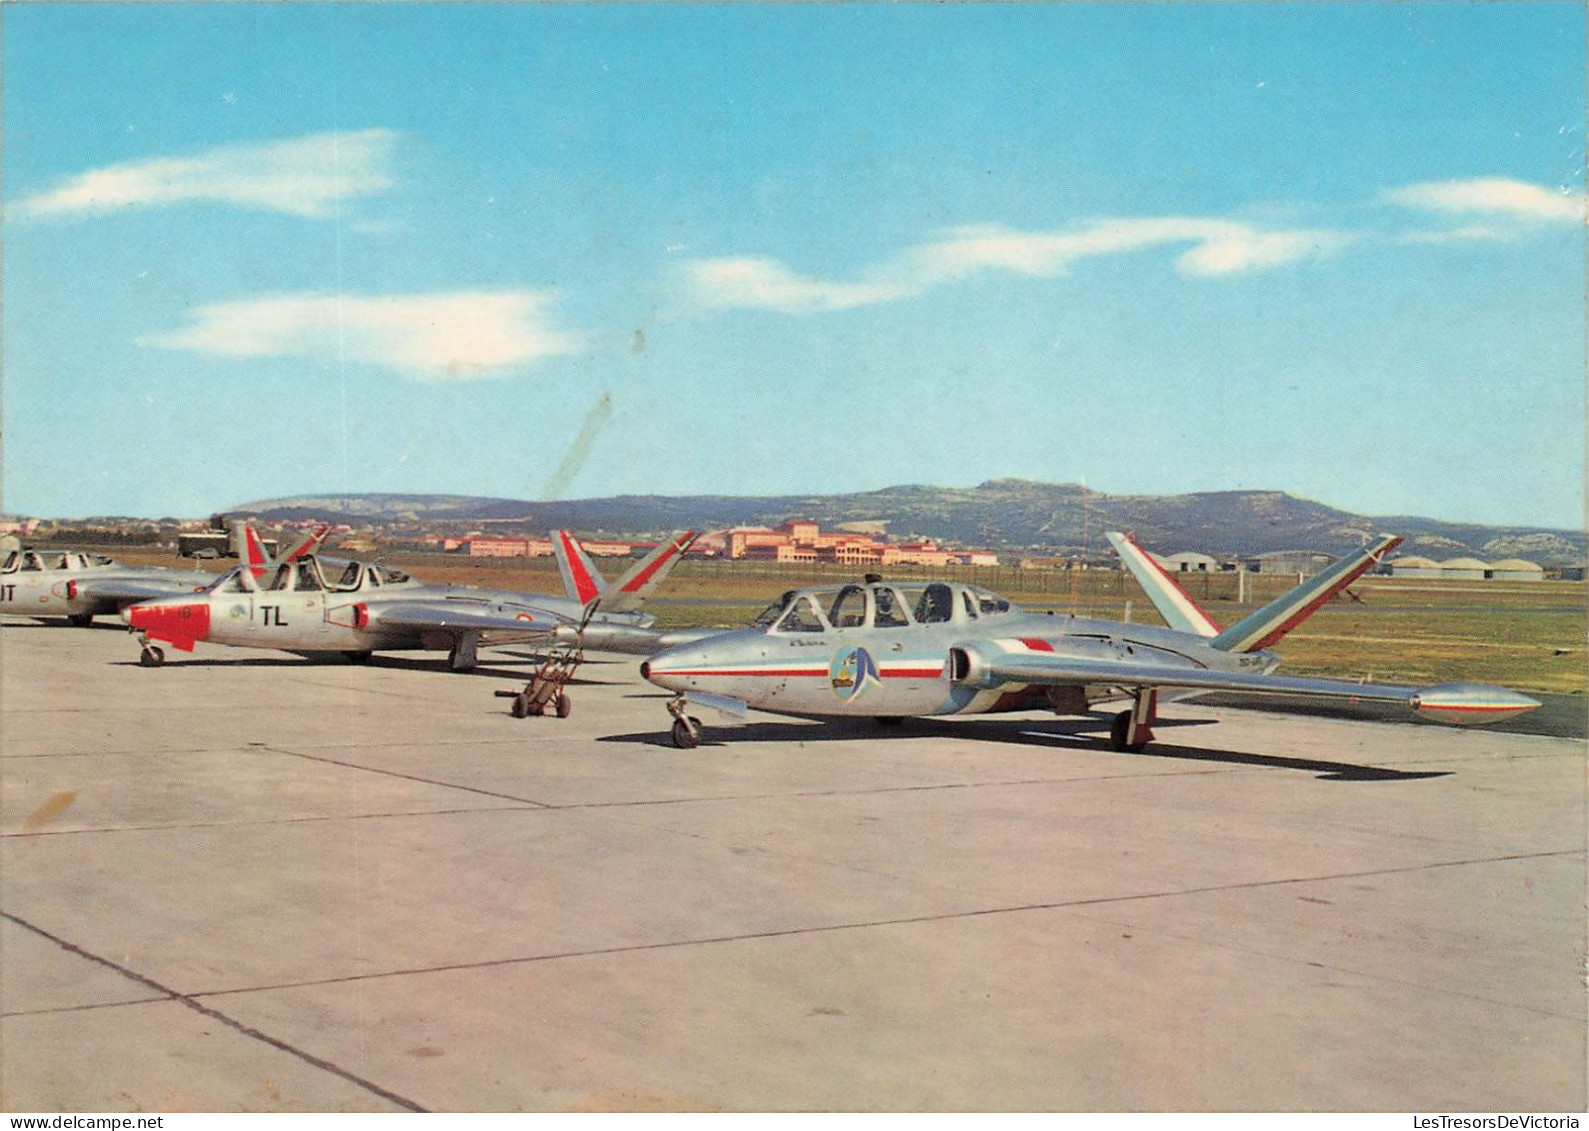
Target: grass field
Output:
{"points": [[1527, 635]]}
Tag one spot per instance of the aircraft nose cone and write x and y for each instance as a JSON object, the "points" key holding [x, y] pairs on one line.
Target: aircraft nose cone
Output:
{"points": [[663, 668], [178, 620]]}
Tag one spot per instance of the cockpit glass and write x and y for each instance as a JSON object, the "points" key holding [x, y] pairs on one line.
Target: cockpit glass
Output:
{"points": [[769, 616], [849, 608], [392, 576], [802, 617], [11, 562], [990, 603], [282, 580], [231, 582], [349, 579], [100, 559], [31, 561], [971, 606], [308, 577], [890, 608], [936, 604]]}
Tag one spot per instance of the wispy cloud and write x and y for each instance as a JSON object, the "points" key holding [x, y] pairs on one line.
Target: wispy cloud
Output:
{"points": [[303, 176], [1466, 233], [764, 283], [1217, 247], [1495, 197], [461, 335]]}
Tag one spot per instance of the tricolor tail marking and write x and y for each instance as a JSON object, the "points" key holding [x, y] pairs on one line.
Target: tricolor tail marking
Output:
{"points": [[638, 581], [1265, 627], [581, 581], [1179, 611], [650, 572], [257, 558], [307, 544]]}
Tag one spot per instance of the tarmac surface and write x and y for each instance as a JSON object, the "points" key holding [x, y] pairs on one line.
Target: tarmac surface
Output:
{"points": [[248, 881]]}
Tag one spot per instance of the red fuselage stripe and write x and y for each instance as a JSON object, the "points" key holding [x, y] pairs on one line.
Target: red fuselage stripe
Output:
{"points": [[887, 673], [745, 671], [1468, 707]]}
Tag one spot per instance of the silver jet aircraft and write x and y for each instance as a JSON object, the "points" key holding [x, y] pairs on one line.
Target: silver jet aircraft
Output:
{"points": [[359, 608], [891, 650], [81, 586]]}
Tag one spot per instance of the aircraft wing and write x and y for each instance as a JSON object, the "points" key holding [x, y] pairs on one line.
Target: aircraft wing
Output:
{"points": [[1465, 703], [127, 590], [496, 623], [506, 623]]}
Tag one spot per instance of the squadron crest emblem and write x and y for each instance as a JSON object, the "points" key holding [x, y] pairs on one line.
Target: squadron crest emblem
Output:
{"points": [[853, 671]]}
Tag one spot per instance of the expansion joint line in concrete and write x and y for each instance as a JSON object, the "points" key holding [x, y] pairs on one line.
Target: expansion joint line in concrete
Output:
{"points": [[216, 1015], [405, 777], [903, 921]]}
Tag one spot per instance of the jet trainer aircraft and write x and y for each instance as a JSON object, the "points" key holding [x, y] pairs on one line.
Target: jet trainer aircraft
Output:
{"points": [[891, 650], [81, 586], [357, 608]]}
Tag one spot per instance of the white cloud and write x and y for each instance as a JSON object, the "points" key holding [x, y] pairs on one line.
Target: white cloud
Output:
{"points": [[1467, 233], [1219, 247], [1495, 196], [461, 335], [303, 176], [1245, 249], [765, 284]]}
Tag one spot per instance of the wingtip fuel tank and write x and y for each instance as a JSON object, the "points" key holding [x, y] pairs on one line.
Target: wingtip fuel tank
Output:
{"points": [[1470, 704]]}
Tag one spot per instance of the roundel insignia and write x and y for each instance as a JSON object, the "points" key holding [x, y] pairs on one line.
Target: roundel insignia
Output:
{"points": [[524, 616], [238, 612], [852, 672]]}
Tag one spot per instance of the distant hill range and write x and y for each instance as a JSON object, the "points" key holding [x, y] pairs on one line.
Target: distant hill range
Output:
{"points": [[1054, 518]]}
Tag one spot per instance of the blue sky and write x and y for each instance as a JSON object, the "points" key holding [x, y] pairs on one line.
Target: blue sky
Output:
{"points": [[254, 251]]}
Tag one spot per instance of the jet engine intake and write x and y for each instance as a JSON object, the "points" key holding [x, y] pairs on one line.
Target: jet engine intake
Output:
{"points": [[969, 666]]}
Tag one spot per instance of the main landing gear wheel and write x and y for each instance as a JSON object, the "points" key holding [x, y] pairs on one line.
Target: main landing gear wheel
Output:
{"points": [[686, 732], [152, 657], [1119, 729], [357, 657], [80, 620]]}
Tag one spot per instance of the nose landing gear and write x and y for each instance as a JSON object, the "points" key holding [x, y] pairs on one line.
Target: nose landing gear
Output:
{"points": [[152, 656], [687, 729]]}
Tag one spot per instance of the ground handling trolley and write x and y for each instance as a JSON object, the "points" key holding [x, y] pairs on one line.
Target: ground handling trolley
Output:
{"points": [[548, 687]]}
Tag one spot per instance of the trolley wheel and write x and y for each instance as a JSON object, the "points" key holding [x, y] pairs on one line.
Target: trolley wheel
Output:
{"points": [[521, 707], [355, 656], [565, 705], [152, 657], [1119, 728], [687, 733], [81, 620]]}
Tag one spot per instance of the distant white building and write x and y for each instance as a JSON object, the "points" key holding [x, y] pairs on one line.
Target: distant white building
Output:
{"points": [[1463, 569], [1414, 566], [1189, 561], [1516, 569]]}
